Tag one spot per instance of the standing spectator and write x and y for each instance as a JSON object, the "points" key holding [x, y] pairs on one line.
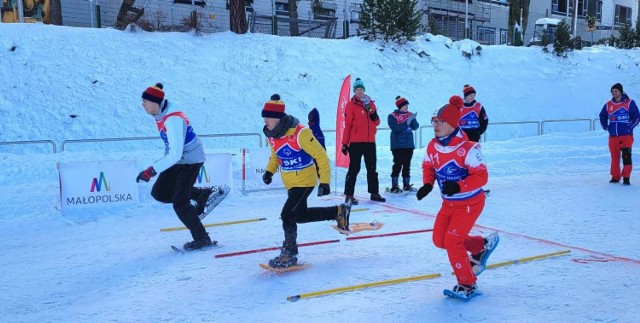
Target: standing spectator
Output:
{"points": [[179, 168], [458, 166], [294, 149], [314, 125], [619, 116], [402, 124], [359, 139], [474, 119]]}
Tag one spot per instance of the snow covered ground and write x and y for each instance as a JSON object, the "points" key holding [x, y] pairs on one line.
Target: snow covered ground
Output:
{"points": [[549, 193]]}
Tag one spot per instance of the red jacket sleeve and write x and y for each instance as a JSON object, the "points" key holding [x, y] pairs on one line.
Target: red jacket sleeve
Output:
{"points": [[348, 122]]}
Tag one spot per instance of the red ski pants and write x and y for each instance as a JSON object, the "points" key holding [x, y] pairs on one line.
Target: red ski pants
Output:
{"points": [[620, 146], [451, 232]]}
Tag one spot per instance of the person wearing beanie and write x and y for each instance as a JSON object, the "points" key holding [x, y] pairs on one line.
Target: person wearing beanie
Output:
{"points": [[459, 168], [297, 153], [620, 116], [474, 119], [179, 168], [402, 124], [359, 140]]}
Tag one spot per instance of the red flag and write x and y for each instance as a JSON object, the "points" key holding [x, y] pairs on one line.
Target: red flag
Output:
{"points": [[342, 160]]}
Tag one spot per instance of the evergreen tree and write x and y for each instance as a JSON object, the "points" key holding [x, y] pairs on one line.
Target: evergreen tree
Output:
{"points": [[637, 34], [627, 37], [434, 28], [367, 22], [562, 43], [391, 20]]}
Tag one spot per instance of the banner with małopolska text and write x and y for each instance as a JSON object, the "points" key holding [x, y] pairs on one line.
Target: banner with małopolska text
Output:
{"points": [[98, 184], [258, 160]]}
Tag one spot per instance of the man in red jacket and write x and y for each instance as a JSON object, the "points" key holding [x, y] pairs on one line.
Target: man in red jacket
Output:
{"points": [[358, 140]]}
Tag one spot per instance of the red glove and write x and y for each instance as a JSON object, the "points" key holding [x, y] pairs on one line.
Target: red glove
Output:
{"points": [[146, 174]]}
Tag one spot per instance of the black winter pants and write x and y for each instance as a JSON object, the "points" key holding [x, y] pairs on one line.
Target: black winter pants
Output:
{"points": [[295, 211], [356, 151], [401, 161], [175, 185]]}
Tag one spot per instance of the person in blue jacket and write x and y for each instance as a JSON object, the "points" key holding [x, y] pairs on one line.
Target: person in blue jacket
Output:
{"points": [[402, 124], [619, 116], [314, 125]]}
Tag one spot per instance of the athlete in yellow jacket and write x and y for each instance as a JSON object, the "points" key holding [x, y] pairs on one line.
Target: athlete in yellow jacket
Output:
{"points": [[296, 151]]}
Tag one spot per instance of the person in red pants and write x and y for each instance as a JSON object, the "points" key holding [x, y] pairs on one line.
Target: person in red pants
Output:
{"points": [[458, 166], [619, 116]]}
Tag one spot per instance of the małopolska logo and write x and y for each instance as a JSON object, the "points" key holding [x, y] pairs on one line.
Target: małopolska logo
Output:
{"points": [[203, 175], [97, 183]]}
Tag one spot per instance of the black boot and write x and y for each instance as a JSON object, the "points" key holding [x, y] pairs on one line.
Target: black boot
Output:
{"points": [[201, 199], [199, 244], [350, 198], [377, 197], [625, 181]]}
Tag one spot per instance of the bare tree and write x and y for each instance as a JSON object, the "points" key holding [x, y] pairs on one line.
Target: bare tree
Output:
{"points": [[237, 17], [55, 12], [293, 14]]}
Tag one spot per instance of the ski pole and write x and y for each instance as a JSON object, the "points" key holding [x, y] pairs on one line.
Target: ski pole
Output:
{"points": [[216, 224], [362, 286]]}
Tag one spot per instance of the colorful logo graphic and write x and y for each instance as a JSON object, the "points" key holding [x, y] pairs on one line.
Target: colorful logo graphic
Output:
{"points": [[96, 184], [203, 175]]}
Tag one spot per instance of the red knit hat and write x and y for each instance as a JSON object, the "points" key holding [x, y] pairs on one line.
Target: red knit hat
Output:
{"points": [[468, 90], [449, 113], [400, 102], [154, 93], [274, 108]]}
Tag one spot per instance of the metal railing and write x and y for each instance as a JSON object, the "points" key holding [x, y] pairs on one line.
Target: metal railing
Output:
{"points": [[417, 139], [31, 142], [564, 120], [70, 141]]}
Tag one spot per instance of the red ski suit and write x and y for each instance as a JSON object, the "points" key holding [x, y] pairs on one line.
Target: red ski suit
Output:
{"points": [[459, 161]]}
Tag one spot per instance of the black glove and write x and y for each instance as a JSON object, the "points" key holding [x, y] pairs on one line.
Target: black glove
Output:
{"points": [[424, 191], [345, 149], [374, 116], [266, 177], [450, 188], [146, 174], [323, 189]]}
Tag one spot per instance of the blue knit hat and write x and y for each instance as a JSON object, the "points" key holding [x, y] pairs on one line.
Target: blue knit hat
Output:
{"points": [[358, 84]]}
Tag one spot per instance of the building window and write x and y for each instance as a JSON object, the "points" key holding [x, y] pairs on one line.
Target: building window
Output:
{"points": [[560, 7], [486, 35], [355, 13], [623, 15], [282, 9], [324, 14], [326, 11], [504, 36], [590, 8]]}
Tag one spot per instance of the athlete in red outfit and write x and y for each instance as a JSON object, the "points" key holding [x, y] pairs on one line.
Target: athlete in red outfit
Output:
{"points": [[458, 166]]}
